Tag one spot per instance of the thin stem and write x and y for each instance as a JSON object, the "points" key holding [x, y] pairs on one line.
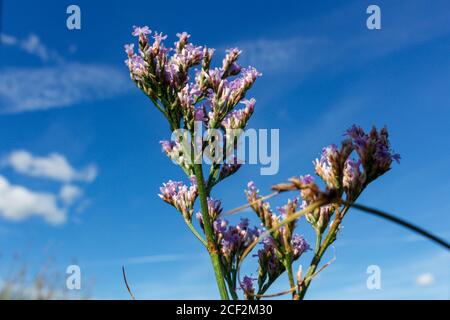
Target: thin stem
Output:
{"points": [[403, 223], [210, 239], [232, 288], [318, 242], [291, 277], [126, 284], [247, 205], [195, 232], [320, 250]]}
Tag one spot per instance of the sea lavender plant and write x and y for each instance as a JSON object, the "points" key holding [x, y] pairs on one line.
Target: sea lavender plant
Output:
{"points": [[188, 91], [185, 87]]}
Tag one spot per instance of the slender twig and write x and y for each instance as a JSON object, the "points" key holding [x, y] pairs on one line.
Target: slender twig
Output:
{"points": [[315, 274], [126, 283], [245, 206], [195, 232], [401, 222], [292, 217], [275, 294], [367, 209]]}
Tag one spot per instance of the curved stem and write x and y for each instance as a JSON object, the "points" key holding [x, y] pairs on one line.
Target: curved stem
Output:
{"points": [[403, 223], [210, 239], [195, 232]]}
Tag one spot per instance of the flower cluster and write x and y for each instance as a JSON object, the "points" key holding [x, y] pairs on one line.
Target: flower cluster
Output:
{"points": [[229, 168], [343, 174], [234, 240], [179, 153], [282, 247], [374, 151], [237, 119], [185, 95], [247, 287], [310, 193], [214, 210], [180, 196], [271, 260]]}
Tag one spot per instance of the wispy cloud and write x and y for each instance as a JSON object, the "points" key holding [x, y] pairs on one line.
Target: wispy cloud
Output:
{"points": [[18, 203], [53, 166], [33, 45], [277, 55], [69, 193], [300, 54], [58, 83], [32, 89], [147, 259]]}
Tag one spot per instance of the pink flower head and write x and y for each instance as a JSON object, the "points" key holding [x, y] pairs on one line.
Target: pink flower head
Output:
{"points": [[141, 31]]}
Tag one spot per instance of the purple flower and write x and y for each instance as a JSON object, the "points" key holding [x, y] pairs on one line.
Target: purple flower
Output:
{"points": [[306, 179], [229, 65], [289, 208], [238, 118], [179, 153], [374, 150], [353, 180], [200, 115], [229, 168], [247, 287], [214, 210], [159, 37], [167, 146], [268, 259], [180, 196], [129, 49], [251, 191], [140, 31], [137, 68], [234, 240], [214, 207], [183, 40], [327, 167], [220, 226], [299, 245], [249, 75]]}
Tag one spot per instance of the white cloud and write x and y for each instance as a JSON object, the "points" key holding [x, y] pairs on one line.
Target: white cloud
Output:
{"points": [[61, 85], [7, 40], [69, 193], [32, 45], [54, 166], [149, 259], [18, 203], [270, 55], [425, 279], [32, 89]]}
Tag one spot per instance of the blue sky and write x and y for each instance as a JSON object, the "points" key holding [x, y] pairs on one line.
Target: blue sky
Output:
{"points": [[65, 95]]}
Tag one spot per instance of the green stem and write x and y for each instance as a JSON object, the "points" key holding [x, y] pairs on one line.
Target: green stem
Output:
{"points": [[318, 242], [320, 250], [291, 277], [232, 288], [195, 232], [210, 239]]}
